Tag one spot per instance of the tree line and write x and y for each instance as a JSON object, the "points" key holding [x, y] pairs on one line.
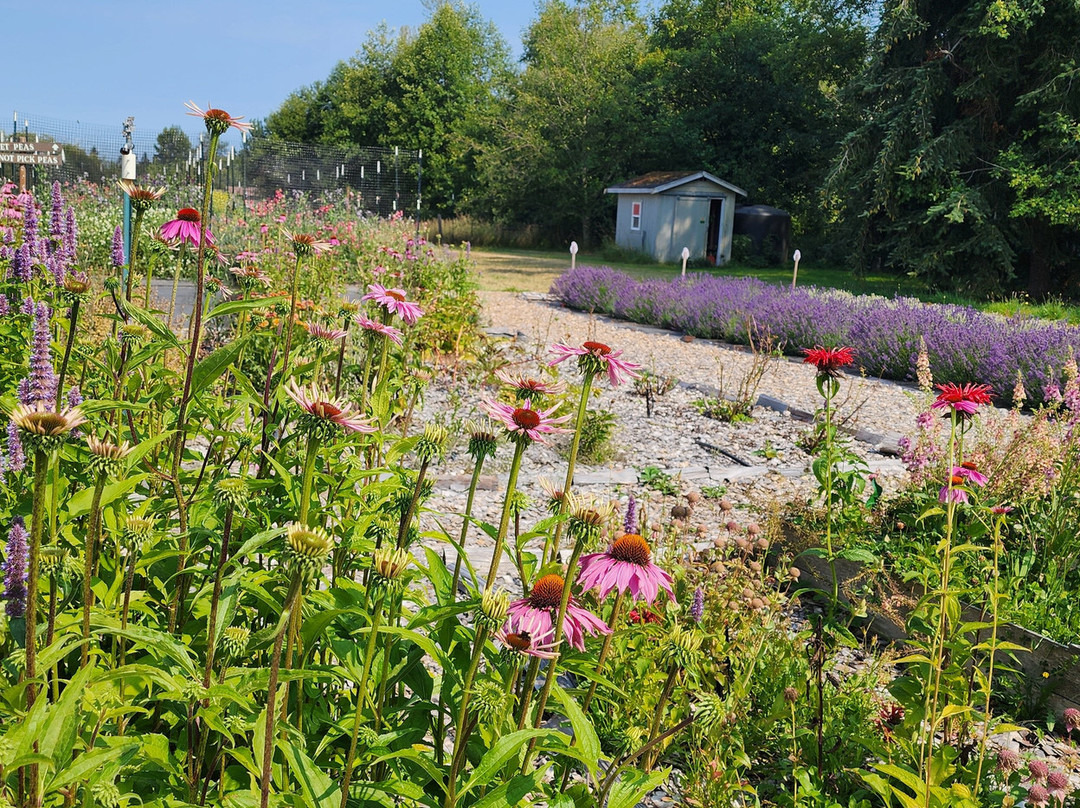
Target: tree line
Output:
{"points": [[938, 138]]}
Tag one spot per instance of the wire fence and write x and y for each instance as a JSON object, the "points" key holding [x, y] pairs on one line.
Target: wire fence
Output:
{"points": [[38, 150]]}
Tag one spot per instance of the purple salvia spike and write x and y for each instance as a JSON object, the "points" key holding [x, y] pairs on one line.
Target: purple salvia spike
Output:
{"points": [[15, 559], [30, 226], [16, 456], [630, 523], [71, 237], [42, 376], [23, 267], [27, 306], [56, 223], [697, 608], [118, 247]]}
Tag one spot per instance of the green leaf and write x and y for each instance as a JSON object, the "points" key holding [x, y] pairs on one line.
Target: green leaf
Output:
{"points": [[513, 793], [585, 737], [318, 789], [632, 787], [85, 764], [151, 322], [79, 504], [209, 369], [237, 306], [496, 757]]}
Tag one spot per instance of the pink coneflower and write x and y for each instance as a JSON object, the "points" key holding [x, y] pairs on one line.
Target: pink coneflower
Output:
{"points": [[218, 121], [535, 615], [962, 475], [393, 300], [523, 643], [526, 388], [524, 422], [185, 227], [325, 333], [304, 244], [828, 361], [250, 277], [379, 328], [142, 197], [321, 407], [626, 566], [962, 399], [595, 357]]}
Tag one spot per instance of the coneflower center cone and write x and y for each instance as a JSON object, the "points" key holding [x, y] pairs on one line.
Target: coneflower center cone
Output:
{"points": [[596, 348], [547, 593], [631, 548], [526, 419], [188, 215]]}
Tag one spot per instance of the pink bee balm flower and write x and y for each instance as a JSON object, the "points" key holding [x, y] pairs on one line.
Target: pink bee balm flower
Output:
{"points": [[524, 422], [321, 407], [535, 615], [594, 357], [529, 389], [523, 643], [393, 300], [185, 227], [626, 566], [962, 399], [387, 331]]}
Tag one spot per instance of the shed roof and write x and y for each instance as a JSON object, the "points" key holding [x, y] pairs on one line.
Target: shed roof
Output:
{"points": [[656, 182]]}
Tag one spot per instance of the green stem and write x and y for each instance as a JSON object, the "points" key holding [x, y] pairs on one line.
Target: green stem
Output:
{"points": [[504, 523], [73, 317], [993, 648], [176, 280], [658, 716], [93, 534], [552, 547], [136, 227], [465, 524], [269, 739], [41, 471], [341, 357], [149, 280], [314, 444], [617, 770], [292, 320], [605, 649], [406, 518], [361, 697], [463, 713], [211, 625]]}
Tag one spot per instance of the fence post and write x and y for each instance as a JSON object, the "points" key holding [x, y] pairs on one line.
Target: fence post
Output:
{"points": [[128, 163]]}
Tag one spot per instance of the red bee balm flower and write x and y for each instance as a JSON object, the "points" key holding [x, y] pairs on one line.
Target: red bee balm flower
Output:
{"points": [[625, 566], [828, 361], [186, 228], [963, 399]]}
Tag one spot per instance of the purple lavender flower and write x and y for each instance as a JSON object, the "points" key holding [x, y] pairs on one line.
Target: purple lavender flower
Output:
{"points": [[697, 608], [71, 237], [42, 386], [16, 457], [15, 559], [118, 247], [22, 268], [630, 523]]}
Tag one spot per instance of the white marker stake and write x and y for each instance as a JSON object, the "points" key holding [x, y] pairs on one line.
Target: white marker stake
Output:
{"points": [[797, 256], [685, 257], [573, 254]]}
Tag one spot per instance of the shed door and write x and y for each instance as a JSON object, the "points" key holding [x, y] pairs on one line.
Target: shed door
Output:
{"points": [[689, 226]]}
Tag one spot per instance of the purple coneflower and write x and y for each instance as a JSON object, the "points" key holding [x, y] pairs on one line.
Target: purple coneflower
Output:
{"points": [[964, 474], [185, 227], [535, 615], [626, 566], [15, 569], [393, 300], [319, 331], [523, 643], [379, 328], [525, 423], [218, 121], [334, 411], [304, 244], [250, 277], [594, 357], [526, 388]]}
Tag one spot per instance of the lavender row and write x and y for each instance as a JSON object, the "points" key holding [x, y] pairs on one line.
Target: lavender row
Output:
{"points": [[964, 344]]}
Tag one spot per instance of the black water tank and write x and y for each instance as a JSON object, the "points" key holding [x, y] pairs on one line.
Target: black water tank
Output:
{"points": [[769, 230]]}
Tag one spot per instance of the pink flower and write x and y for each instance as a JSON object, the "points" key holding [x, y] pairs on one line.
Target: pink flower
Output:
{"points": [[393, 300], [185, 227], [526, 388], [1039, 771], [305, 244], [1038, 797], [535, 615], [379, 328], [1058, 785], [218, 119], [964, 474], [523, 643], [320, 331], [524, 422], [625, 566], [322, 407], [594, 357]]}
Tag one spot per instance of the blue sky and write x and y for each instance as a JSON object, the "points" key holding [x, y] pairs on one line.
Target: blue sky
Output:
{"points": [[98, 61]]}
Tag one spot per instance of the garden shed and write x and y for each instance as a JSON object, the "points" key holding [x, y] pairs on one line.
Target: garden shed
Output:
{"points": [[661, 212]]}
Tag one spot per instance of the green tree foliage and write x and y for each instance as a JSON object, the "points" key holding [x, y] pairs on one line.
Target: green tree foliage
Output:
{"points": [[423, 89], [572, 123], [963, 165], [172, 146], [750, 91]]}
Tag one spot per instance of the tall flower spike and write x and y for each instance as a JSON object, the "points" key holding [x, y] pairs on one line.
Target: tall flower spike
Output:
{"points": [[596, 357], [118, 259], [15, 559], [218, 121], [42, 380]]}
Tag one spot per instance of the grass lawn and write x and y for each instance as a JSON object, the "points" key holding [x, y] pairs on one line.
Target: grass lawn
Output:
{"points": [[513, 270]]}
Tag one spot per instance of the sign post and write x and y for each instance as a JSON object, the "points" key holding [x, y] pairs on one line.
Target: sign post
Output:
{"points": [[127, 172], [794, 275], [685, 258], [573, 254]]}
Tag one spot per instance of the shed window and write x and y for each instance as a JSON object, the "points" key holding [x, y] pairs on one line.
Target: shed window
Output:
{"points": [[635, 215]]}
